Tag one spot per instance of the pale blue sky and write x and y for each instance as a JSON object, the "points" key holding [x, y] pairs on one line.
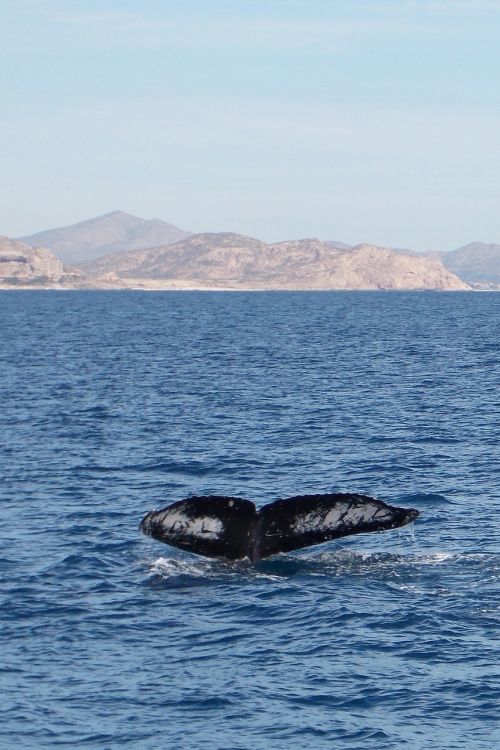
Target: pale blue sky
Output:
{"points": [[354, 120]]}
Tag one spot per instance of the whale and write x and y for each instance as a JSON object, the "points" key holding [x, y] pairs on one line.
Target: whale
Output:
{"points": [[233, 528]]}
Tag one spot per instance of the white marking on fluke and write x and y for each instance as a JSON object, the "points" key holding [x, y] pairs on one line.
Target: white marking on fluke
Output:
{"points": [[204, 526]]}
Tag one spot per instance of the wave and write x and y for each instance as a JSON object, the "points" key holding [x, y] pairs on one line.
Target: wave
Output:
{"points": [[326, 564]]}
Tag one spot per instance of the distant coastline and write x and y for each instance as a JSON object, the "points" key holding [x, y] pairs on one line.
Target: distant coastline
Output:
{"points": [[118, 251], [229, 290]]}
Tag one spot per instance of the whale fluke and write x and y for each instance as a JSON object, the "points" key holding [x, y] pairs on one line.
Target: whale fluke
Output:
{"points": [[230, 527]]}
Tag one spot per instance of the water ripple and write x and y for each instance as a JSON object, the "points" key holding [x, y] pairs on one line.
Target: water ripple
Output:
{"points": [[114, 403]]}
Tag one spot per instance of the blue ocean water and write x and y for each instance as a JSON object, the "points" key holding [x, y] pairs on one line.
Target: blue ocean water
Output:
{"points": [[113, 403]]}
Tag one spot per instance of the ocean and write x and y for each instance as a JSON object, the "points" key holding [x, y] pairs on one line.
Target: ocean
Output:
{"points": [[113, 403]]}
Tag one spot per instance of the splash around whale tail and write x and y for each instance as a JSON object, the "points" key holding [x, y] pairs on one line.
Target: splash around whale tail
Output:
{"points": [[233, 528]]}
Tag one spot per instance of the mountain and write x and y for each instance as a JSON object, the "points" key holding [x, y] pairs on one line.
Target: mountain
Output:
{"points": [[340, 245], [477, 263], [21, 265], [111, 233], [233, 261]]}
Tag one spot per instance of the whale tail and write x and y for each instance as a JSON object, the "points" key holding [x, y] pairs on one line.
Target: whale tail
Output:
{"points": [[233, 528]]}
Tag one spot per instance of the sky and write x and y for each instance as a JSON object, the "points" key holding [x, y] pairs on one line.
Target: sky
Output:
{"points": [[358, 121]]}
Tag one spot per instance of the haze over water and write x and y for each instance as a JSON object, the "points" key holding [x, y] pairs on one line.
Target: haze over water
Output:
{"points": [[117, 402]]}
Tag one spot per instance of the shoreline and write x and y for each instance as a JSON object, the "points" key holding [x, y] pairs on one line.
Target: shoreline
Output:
{"points": [[56, 288]]}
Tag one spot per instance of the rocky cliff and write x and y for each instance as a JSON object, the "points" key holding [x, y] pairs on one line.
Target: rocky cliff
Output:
{"points": [[23, 265]]}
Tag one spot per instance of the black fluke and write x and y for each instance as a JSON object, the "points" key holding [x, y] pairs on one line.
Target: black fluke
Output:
{"points": [[233, 528]]}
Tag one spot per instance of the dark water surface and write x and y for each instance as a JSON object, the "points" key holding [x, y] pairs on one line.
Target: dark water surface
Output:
{"points": [[116, 402]]}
